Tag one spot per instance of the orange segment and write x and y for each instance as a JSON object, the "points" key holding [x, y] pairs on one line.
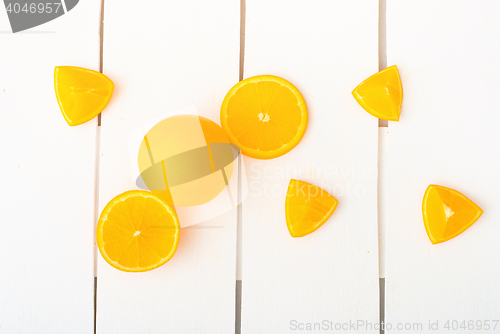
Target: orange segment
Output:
{"points": [[381, 94], [447, 213], [81, 93], [307, 207], [137, 231], [265, 116]]}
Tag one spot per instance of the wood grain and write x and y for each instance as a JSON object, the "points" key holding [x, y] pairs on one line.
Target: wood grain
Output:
{"points": [[332, 274], [447, 53]]}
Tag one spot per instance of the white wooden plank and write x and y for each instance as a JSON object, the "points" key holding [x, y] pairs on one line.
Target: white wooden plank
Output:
{"points": [[331, 275], [162, 59], [447, 53], [47, 167]]}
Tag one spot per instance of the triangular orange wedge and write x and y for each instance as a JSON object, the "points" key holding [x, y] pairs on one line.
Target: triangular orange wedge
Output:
{"points": [[447, 213], [307, 207], [381, 94], [81, 93]]}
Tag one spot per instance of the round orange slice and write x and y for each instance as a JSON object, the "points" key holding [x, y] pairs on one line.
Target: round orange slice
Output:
{"points": [[265, 116], [381, 94], [307, 207], [81, 93], [447, 213], [137, 231]]}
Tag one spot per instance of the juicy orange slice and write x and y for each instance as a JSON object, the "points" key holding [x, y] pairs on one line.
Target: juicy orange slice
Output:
{"points": [[265, 116], [81, 93], [307, 207], [447, 213], [137, 231], [381, 94]]}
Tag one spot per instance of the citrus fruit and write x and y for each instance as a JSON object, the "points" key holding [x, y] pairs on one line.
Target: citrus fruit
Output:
{"points": [[137, 231], [307, 207], [265, 116], [186, 160], [81, 93], [381, 94], [447, 213]]}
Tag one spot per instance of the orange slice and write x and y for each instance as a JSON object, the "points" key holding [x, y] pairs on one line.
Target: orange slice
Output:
{"points": [[137, 231], [307, 207], [447, 213], [81, 93], [381, 94], [265, 116]]}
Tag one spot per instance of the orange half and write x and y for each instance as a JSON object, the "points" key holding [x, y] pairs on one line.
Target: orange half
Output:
{"points": [[81, 93], [307, 207], [137, 231], [447, 213], [381, 94], [265, 116]]}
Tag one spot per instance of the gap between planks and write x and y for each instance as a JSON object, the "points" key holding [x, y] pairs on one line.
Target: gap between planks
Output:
{"points": [[98, 166], [101, 47], [239, 230], [382, 165], [383, 137], [382, 46], [96, 215]]}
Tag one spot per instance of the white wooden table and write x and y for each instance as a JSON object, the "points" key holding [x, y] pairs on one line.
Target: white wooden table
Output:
{"points": [[241, 272]]}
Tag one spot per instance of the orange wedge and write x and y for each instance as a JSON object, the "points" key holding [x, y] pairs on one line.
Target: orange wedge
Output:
{"points": [[307, 207], [265, 116], [447, 213], [381, 94], [81, 93], [137, 231]]}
